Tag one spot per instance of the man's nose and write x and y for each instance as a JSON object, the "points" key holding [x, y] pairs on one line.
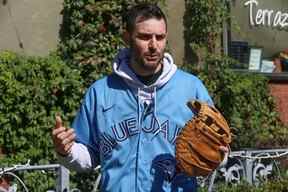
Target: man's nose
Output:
{"points": [[152, 43]]}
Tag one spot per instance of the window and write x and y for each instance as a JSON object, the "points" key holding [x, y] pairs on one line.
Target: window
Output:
{"points": [[259, 25]]}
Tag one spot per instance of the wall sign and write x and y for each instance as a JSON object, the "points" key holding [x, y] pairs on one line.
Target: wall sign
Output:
{"points": [[266, 17], [255, 58]]}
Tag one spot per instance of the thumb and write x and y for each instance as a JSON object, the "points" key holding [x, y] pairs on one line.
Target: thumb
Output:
{"points": [[58, 122]]}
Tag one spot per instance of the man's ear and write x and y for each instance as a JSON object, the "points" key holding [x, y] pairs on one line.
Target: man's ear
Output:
{"points": [[126, 38]]}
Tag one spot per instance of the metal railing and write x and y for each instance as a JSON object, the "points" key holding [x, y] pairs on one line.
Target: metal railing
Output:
{"points": [[250, 165], [62, 174]]}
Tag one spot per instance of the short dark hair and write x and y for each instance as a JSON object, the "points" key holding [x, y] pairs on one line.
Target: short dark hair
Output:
{"points": [[144, 11]]}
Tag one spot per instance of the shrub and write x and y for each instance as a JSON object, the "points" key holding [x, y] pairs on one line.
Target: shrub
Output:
{"points": [[32, 91]]}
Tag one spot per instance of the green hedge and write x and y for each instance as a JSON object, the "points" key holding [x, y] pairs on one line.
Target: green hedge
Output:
{"points": [[32, 91], [203, 20]]}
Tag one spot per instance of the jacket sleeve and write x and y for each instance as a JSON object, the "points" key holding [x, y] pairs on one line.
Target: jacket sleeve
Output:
{"points": [[79, 159]]}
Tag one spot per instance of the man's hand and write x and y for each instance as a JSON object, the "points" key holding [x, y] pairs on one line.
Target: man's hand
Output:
{"points": [[225, 151], [63, 138]]}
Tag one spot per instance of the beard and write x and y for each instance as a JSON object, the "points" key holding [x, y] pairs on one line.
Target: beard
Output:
{"points": [[148, 62]]}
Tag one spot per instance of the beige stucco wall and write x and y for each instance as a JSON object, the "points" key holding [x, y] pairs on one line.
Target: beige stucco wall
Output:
{"points": [[35, 23]]}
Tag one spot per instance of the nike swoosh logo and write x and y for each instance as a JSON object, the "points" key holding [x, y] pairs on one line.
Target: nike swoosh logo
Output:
{"points": [[105, 109]]}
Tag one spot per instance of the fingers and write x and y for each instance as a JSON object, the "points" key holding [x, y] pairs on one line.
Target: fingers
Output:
{"points": [[64, 141], [68, 147], [67, 137], [57, 131], [224, 149], [59, 128], [67, 144], [58, 123], [63, 138]]}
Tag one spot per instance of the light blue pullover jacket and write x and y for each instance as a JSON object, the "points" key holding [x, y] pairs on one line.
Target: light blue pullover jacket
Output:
{"points": [[130, 128]]}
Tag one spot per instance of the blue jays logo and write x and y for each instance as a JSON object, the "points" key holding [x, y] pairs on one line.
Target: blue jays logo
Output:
{"points": [[129, 127]]}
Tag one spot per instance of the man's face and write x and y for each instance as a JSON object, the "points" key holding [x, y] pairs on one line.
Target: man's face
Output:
{"points": [[148, 41]]}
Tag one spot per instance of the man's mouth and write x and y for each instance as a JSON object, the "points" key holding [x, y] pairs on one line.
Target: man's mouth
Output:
{"points": [[151, 57]]}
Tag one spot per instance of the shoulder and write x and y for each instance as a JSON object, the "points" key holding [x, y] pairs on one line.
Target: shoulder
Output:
{"points": [[99, 83], [184, 76], [193, 84], [107, 81], [104, 88]]}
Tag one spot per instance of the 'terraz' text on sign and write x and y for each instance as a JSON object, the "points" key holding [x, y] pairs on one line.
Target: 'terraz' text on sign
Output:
{"points": [[266, 17]]}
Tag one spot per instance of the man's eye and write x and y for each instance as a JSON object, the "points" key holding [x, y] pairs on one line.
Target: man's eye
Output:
{"points": [[144, 37], [147, 37], [160, 37]]}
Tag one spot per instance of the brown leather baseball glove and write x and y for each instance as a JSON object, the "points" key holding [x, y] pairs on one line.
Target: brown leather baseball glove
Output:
{"points": [[197, 145]]}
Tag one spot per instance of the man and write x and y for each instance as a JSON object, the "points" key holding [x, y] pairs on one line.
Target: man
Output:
{"points": [[129, 120]]}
